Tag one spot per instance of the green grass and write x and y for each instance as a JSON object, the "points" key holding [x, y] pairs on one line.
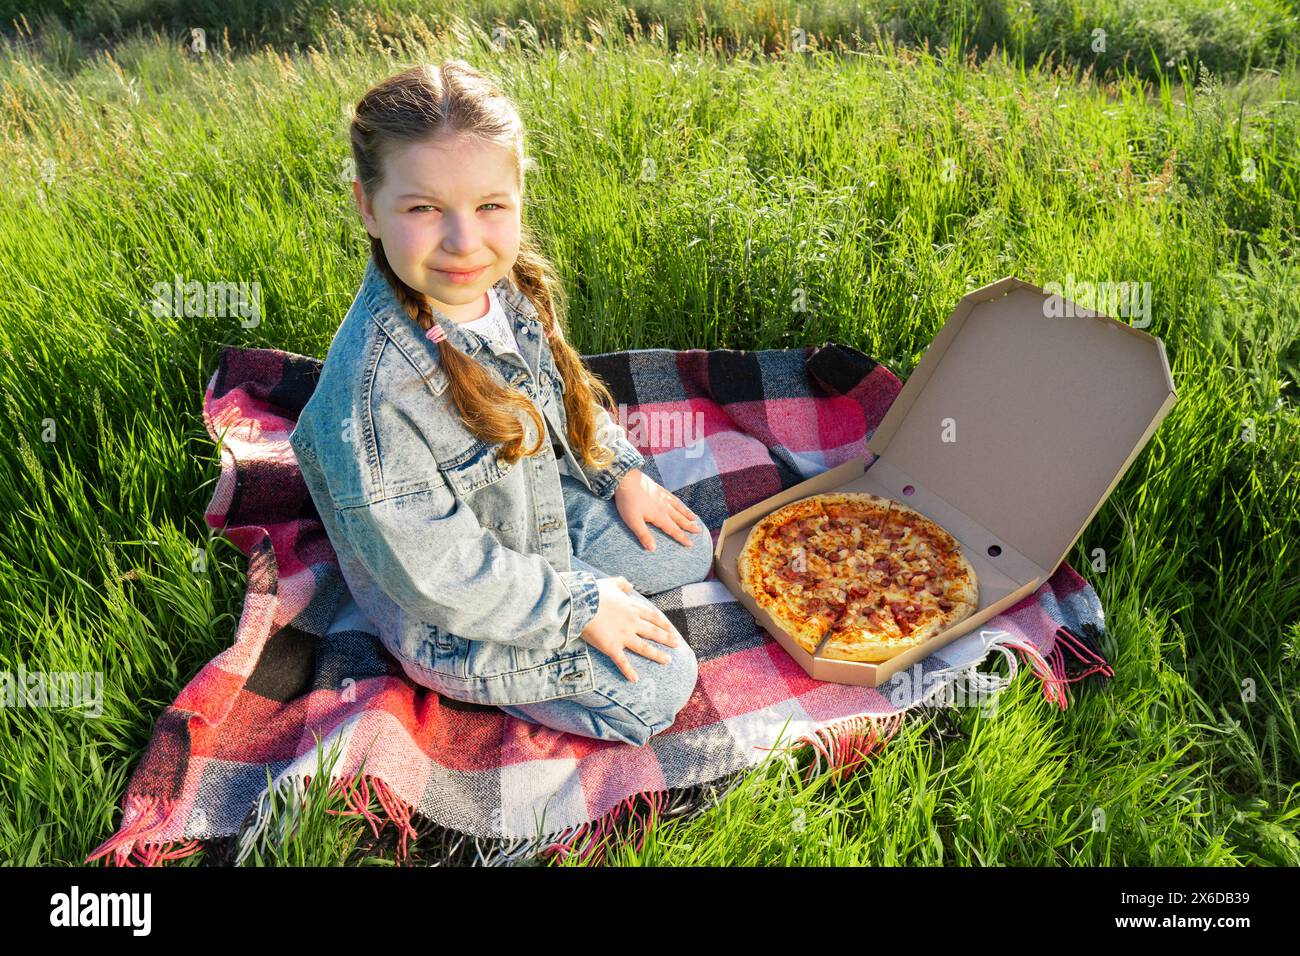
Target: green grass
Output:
{"points": [[1107, 36], [689, 201]]}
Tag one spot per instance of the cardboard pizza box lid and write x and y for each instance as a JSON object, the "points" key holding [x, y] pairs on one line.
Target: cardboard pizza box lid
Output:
{"points": [[1025, 418]]}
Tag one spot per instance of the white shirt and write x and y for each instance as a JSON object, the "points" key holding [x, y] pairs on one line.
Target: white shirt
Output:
{"points": [[495, 327]]}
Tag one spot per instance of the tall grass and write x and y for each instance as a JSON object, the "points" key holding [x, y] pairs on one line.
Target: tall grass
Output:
{"points": [[1106, 36], [691, 200]]}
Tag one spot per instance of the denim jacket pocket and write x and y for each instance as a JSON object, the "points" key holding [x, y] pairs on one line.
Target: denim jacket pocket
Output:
{"points": [[453, 656], [476, 468], [447, 653]]}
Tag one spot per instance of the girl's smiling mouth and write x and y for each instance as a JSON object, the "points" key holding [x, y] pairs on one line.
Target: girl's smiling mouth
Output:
{"points": [[461, 277]]}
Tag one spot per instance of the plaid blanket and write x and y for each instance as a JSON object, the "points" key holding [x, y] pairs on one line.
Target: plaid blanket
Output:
{"points": [[488, 788]]}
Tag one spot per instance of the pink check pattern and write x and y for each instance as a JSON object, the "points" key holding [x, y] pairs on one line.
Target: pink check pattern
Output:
{"points": [[476, 779]]}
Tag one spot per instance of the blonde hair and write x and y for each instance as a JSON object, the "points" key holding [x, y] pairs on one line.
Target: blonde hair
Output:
{"points": [[426, 102]]}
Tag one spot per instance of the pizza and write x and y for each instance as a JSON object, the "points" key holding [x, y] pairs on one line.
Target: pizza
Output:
{"points": [[862, 577]]}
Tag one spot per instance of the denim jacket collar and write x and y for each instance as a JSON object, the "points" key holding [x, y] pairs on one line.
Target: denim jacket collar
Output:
{"points": [[388, 312]]}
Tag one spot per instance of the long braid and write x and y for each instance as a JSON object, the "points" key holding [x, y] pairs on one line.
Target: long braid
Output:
{"points": [[582, 388]]}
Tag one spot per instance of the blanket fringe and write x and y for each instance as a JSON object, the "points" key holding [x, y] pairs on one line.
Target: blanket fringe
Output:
{"points": [[396, 810], [844, 746], [1086, 656], [147, 815], [144, 815], [1073, 658], [356, 787], [589, 842], [1056, 671], [291, 792]]}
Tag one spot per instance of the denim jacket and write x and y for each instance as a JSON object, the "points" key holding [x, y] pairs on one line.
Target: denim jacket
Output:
{"points": [[461, 562]]}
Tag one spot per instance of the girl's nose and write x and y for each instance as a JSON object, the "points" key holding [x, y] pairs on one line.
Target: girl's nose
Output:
{"points": [[460, 237]]}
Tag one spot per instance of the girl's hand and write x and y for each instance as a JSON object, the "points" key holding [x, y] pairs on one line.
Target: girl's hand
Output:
{"points": [[641, 499], [624, 624]]}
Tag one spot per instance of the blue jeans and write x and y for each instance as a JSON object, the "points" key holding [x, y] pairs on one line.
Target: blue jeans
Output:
{"points": [[616, 708]]}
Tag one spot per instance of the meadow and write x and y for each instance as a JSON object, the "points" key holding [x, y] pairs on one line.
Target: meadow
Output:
{"points": [[689, 196]]}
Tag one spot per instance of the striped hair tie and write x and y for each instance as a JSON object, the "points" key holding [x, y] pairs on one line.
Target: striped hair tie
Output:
{"points": [[436, 333]]}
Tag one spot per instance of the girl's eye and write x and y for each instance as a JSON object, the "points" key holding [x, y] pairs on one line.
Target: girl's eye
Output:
{"points": [[427, 206]]}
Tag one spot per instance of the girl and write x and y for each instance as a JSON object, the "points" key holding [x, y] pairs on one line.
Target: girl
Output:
{"points": [[461, 456]]}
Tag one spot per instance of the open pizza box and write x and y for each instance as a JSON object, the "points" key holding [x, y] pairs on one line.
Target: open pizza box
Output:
{"points": [[1012, 431]]}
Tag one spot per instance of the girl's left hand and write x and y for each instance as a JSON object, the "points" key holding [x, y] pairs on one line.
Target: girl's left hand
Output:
{"points": [[641, 499]]}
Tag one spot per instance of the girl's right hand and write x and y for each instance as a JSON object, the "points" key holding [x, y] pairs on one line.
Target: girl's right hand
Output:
{"points": [[622, 623]]}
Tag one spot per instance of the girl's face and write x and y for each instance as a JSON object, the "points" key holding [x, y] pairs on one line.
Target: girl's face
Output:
{"points": [[448, 216]]}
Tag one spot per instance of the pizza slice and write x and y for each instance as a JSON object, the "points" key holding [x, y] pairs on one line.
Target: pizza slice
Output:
{"points": [[866, 632], [780, 574]]}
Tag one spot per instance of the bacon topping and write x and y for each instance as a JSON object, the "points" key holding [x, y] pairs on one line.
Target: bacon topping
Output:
{"points": [[904, 616]]}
